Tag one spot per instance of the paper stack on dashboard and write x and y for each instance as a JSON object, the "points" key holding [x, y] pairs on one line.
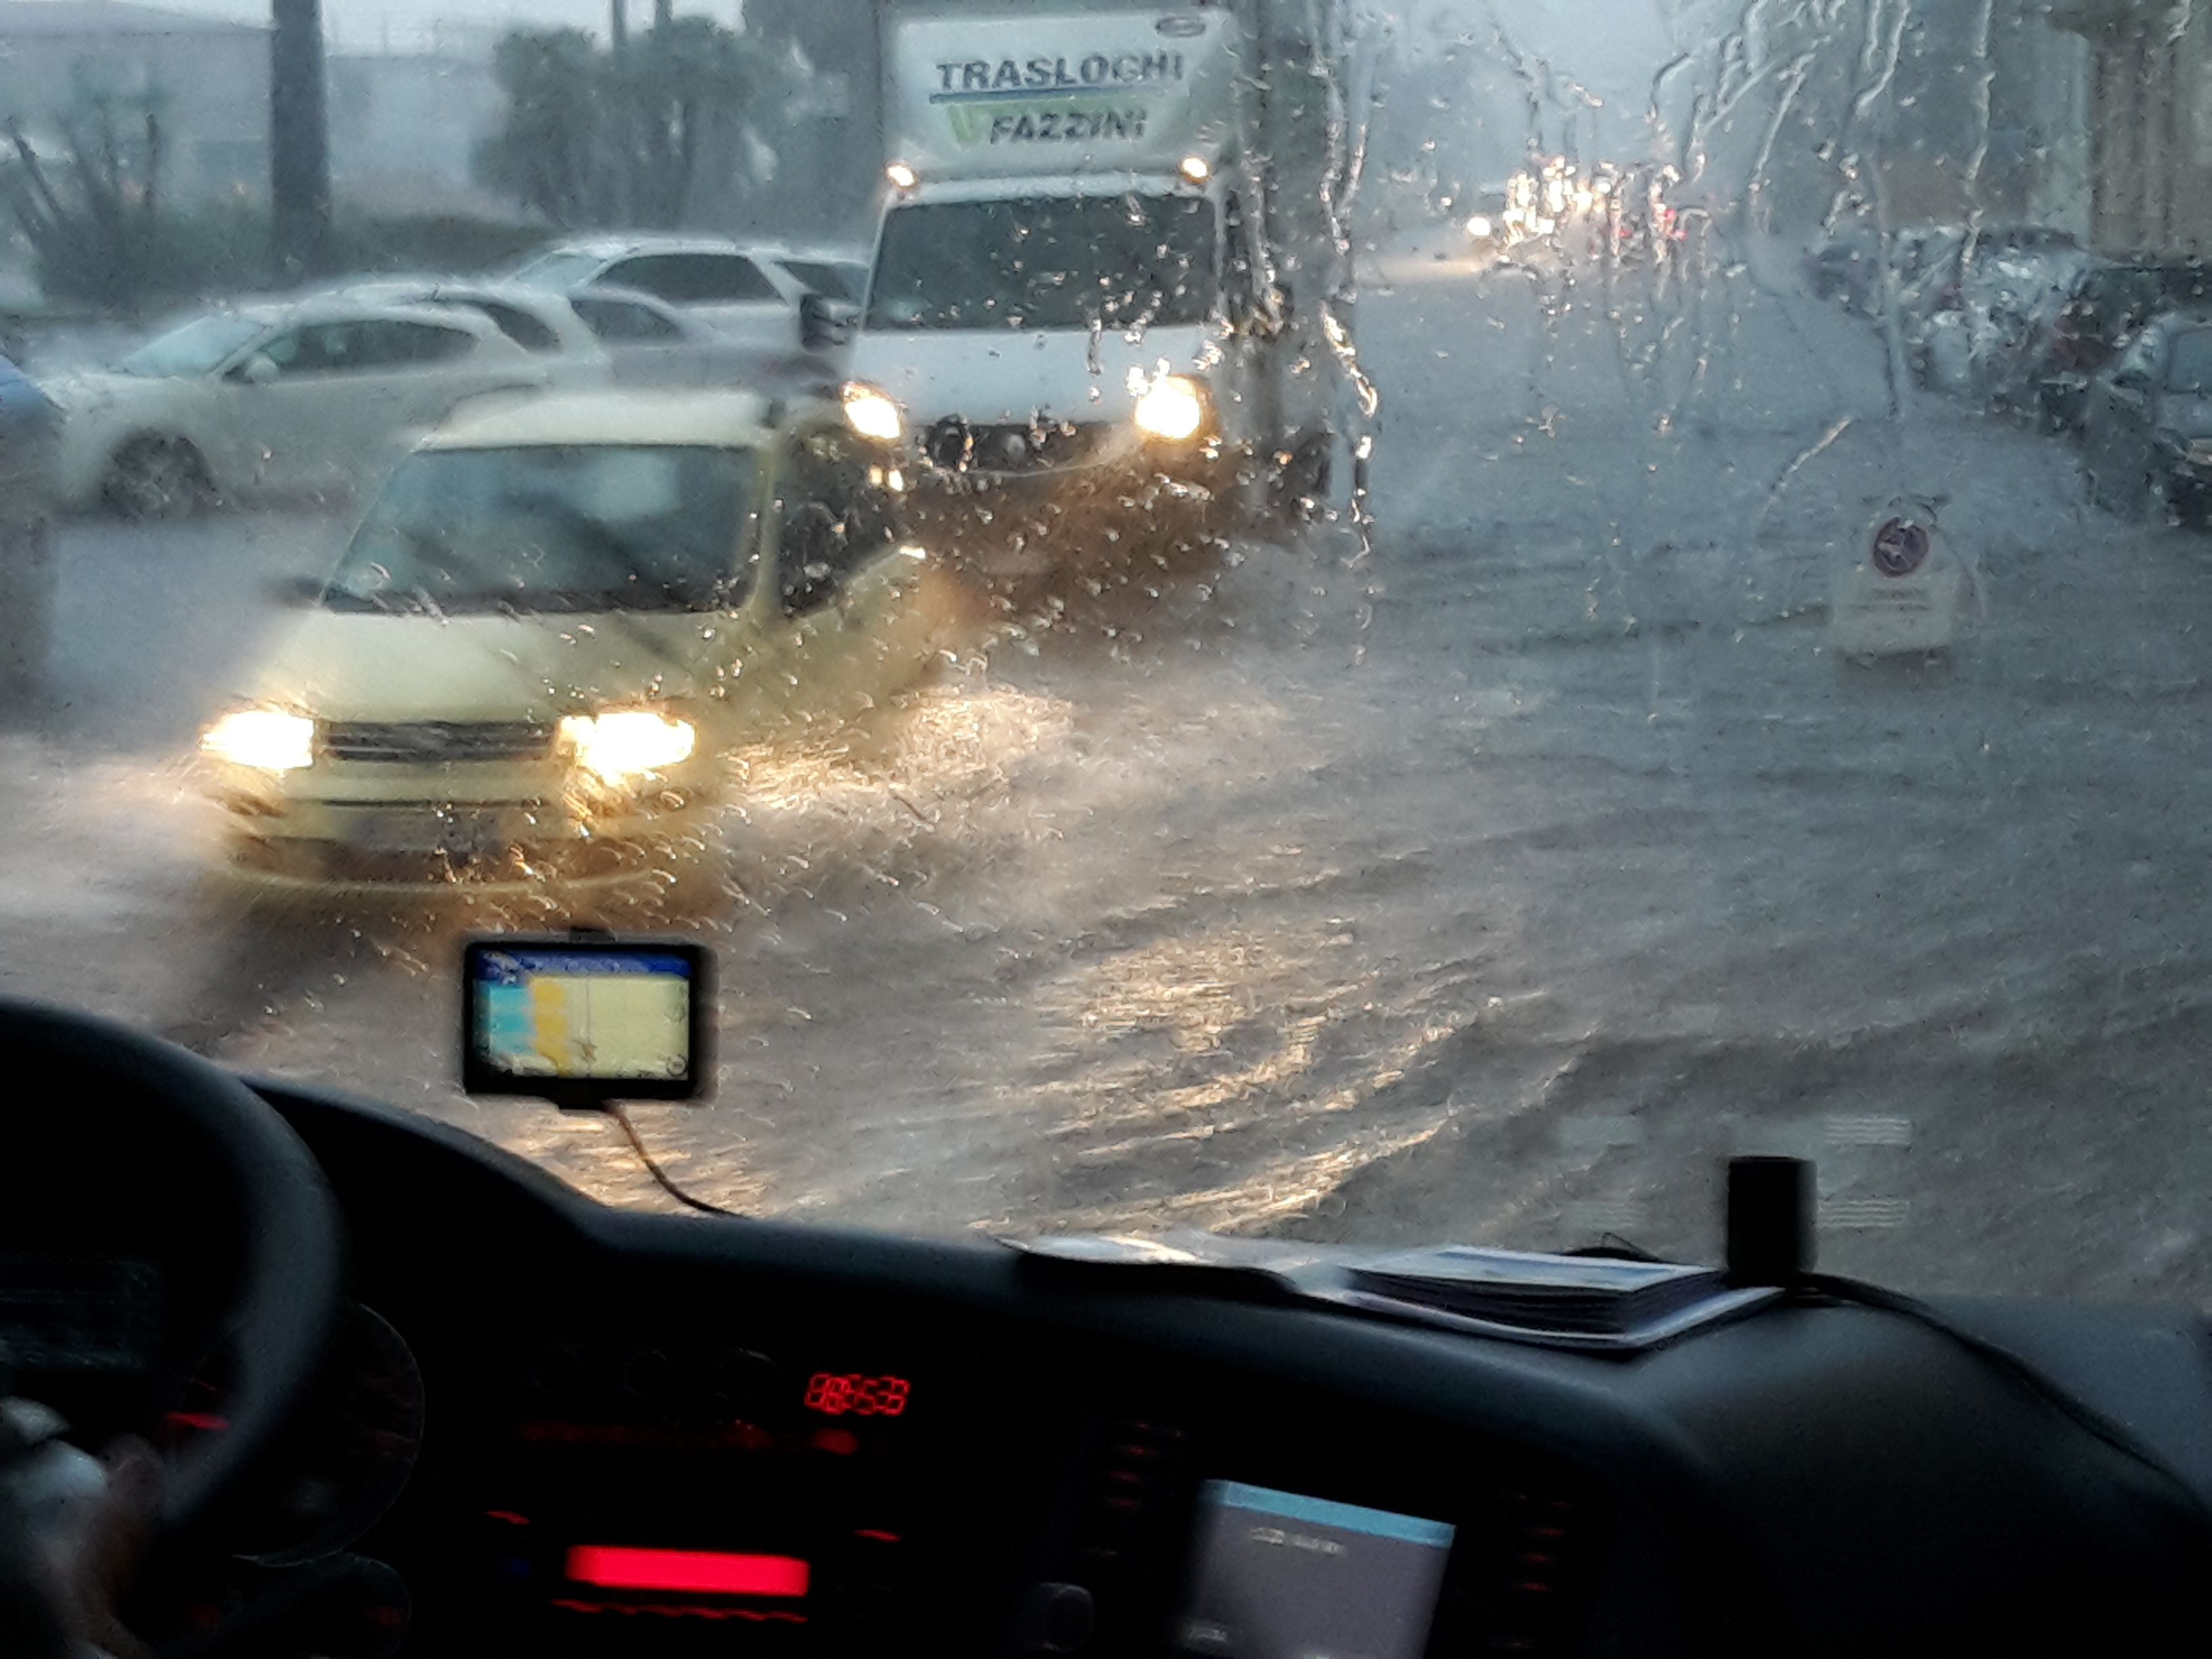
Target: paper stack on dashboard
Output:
{"points": [[1561, 1300], [1582, 1302]]}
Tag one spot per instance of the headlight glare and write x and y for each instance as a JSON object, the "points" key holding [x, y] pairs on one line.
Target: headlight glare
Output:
{"points": [[268, 739], [625, 743], [1173, 407], [870, 414]]}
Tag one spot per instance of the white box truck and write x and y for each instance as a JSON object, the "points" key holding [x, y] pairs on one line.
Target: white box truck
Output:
{"points": [[1111, 287]]}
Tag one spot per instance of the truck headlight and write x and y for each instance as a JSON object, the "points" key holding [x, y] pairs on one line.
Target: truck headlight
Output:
{"points": [[625, 742], [870, 414], [1172, 407], [268, 739]]}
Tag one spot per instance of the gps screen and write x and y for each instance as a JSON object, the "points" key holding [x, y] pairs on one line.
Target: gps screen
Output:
{"points": [[1279, 1575], [617, 1020]]}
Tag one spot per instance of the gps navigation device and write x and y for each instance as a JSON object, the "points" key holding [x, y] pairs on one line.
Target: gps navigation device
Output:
{"points": [[583, 1022]]}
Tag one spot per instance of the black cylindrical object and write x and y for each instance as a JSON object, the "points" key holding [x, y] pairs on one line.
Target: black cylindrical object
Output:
{"points": [[1770, 1220]]}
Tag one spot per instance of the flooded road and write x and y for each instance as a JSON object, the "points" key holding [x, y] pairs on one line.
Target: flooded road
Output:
{"points": [[1494, 882]]}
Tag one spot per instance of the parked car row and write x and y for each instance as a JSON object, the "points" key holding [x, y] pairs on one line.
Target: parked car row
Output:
{"points": [[1972, 305], [310, 394], [2115, 350], [2145, 428], [2115, 299]]}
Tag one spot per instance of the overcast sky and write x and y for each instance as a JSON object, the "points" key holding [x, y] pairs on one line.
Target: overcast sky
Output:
{"points": [[1610, 46], [365, 25]]}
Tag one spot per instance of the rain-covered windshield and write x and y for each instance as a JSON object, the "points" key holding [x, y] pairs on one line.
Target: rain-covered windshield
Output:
{"points": [[553, 527], [1399, 621], [1040, 262], [559, 270], [2190, 369], [193, 348]]}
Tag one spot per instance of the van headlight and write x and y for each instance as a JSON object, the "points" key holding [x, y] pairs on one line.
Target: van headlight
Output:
{"points": [[870, 413], [625, 743], [1173, 407], [269, 739]]}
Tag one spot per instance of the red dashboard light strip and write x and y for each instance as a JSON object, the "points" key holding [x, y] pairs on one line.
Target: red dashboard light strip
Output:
{"points": [[711, 1572]]}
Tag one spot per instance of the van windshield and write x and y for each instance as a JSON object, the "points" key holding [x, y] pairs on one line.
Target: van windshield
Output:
{"points": [[553, 527], [1045, 262]]}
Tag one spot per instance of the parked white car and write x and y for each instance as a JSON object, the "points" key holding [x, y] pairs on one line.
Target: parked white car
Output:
{"points": [[746, 295], [835, 273], [310, 397], [590, 335]]}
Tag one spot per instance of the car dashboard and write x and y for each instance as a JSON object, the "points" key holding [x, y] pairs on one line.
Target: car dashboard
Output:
{"points": [[649, 1435]]}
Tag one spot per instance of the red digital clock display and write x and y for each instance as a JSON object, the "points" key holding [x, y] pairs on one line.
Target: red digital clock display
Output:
{"points": [[838, 1394]]}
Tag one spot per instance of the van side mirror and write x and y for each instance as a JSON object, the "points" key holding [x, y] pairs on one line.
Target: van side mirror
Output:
{"points": [[823, 322], [259, 369], [294, 592]]}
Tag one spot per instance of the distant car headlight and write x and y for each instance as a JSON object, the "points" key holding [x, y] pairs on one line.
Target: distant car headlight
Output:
{"points": [[870, 414], [1478, 227], [266, 738], [625, 742], [1173, 407]]}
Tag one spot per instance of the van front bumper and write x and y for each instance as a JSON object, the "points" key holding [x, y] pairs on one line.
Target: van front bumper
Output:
{"points": [[432, 832]]}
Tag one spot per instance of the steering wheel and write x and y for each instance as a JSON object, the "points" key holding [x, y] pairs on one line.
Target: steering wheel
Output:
{"points": [[118, 1146]]}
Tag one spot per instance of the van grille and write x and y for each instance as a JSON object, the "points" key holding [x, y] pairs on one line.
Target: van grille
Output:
{"points": [[430, 742]]}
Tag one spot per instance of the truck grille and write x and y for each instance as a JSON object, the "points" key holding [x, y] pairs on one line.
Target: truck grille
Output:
{"points": [[1037, 446], [429, 742]]}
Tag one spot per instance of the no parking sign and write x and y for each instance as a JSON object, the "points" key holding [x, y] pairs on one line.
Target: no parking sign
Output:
{"points": [[1897, 591], [1900, 546]]}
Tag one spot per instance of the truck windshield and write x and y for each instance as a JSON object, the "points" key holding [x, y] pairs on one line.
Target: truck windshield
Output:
{"points": [[1045, 262], [553, 527]]}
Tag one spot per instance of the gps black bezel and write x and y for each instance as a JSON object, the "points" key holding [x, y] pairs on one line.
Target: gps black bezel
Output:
{"points": [[479, 1077]]}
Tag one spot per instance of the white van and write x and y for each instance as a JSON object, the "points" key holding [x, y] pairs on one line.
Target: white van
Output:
{"points": [[552, 626]]}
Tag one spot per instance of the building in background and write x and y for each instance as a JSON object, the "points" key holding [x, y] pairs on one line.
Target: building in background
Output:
{"points": [[2036, 168], [1975, 112], [207, 81], [2150, 115]]}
